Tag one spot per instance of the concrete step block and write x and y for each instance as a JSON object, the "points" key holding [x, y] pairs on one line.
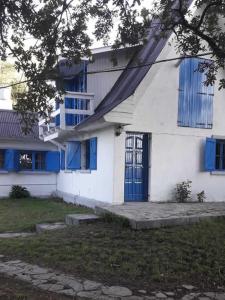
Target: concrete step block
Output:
{"points": [[77, 219]]}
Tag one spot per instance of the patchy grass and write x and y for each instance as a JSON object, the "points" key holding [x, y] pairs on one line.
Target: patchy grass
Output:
{"points": [[23, 214], [148, 259]]}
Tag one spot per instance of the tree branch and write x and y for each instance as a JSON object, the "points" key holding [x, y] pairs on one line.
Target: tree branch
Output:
{"points": [[206, 10]]}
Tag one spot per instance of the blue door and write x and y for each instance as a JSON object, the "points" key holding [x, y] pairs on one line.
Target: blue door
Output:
{"points": [[136, 167]]}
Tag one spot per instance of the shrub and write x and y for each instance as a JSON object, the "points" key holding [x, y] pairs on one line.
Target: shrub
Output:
{"points": [[201, 197], [183, 191], [18, 192]]}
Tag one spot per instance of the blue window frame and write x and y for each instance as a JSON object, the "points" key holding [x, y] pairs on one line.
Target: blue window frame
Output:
{"points": [[32, 160], [39, 160], [2, 159], [220, 155], [91, 154], [214, 155], [195, 107]]}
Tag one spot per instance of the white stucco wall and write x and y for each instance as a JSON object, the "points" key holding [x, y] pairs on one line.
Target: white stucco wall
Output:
{"points": [[97, 184], [5, 98], [38, 183], [176, 152]]}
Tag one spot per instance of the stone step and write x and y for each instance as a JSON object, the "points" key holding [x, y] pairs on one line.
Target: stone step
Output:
{"points": [[49, 226], [77, 219]]}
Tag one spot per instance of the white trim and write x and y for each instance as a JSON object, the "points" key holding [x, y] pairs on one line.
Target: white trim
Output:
{"points": [[220, 173], [218, 137]]}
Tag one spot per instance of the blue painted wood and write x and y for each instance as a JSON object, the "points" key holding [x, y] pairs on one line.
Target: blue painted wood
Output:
{"points": [[136, 167], [93, 153], [76, 84], [11, 162], [195, 106], [52, 161], [73, 155], [220, 155], [210, 154], [62, 159]]}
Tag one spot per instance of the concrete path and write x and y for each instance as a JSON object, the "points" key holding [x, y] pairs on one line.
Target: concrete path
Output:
{"points": [[154, 215], [76, 288], [9, 235]]}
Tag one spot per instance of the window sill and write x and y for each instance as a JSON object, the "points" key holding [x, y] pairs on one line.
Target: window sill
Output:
{"points": [[218, 173], [4, 172], [84, 171], [34, 172], [78, 171]]}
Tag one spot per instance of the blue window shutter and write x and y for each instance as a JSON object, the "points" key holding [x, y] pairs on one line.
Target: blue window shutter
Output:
{"points": [[73, 155], [195, 106], [11, 160], [202, 97], [210, 154], [184, 88], [62, 159], [93, 154], [52, 161]]}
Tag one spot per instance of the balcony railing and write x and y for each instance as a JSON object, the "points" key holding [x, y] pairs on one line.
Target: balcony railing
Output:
{"points": [[75, 108]]}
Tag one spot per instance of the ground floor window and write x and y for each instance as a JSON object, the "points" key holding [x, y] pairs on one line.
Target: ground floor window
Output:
{"points": [[2, 159], [39, 159], [26, 160], [32, 160], [220, 154], [82, 155]]}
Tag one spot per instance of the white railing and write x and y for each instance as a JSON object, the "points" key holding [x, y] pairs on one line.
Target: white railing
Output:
{"points": [[46, 129]]}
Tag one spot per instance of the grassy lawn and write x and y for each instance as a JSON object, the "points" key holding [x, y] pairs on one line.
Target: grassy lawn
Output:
{"points": [[140, 259], [23, 214]]}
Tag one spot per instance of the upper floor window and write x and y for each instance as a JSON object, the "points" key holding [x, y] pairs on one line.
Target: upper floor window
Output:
{"points": [[195, 107], [78, 80]]}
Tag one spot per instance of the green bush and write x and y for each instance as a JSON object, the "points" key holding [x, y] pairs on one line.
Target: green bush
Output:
{"points": [[183, 191], [18, 192]]}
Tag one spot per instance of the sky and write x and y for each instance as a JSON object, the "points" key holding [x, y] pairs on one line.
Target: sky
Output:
{"points": [[96, 44]]}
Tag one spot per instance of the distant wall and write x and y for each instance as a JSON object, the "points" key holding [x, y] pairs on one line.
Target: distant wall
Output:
{"points": [[94, 185], [101, 83], [38, 183]]}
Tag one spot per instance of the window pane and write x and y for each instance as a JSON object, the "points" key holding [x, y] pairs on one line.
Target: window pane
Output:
{"points": [[1, 159], [223, 156], [26, 160], [220, 155], [39, 161], [217, 162], [218, 148]]}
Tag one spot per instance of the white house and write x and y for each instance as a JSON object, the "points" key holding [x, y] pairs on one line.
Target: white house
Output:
{"points": [[24, 159], [132, 134]]}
